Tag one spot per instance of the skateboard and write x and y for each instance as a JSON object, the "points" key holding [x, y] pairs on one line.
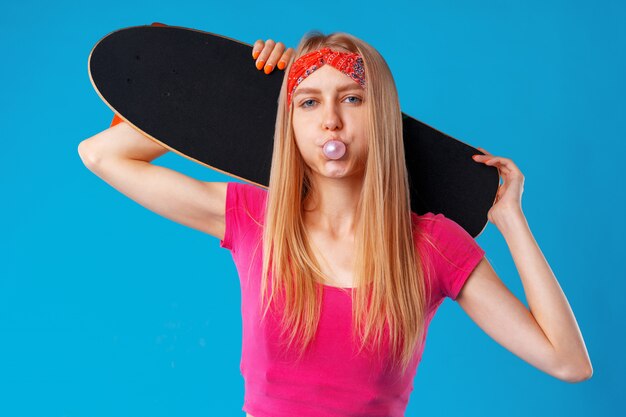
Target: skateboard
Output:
{"points": [[200, 95]]}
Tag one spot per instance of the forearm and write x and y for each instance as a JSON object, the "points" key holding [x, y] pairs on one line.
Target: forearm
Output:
{"points": [[120, 141], [545, 298]]}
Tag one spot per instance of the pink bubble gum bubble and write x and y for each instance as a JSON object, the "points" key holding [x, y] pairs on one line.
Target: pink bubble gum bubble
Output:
{"points": [[334, 149]]}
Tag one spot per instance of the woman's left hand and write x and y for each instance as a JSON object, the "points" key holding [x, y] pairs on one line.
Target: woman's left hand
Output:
{"points": [[509, 195]]}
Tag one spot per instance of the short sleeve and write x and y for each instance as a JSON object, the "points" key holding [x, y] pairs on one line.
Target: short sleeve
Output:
{"points": [[455, 255], [243, 212]]}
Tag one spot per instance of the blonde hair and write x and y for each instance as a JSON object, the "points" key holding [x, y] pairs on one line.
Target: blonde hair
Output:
{"points": [[389, 278]]}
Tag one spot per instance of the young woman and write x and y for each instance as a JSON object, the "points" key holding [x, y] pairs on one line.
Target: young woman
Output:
{"points": [[339, 278]]}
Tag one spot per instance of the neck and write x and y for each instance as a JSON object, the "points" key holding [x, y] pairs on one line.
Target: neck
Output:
{"points": [[331, 205]]}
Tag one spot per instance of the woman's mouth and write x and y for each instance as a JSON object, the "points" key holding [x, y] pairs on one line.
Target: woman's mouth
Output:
{"points": [[334, 149]]}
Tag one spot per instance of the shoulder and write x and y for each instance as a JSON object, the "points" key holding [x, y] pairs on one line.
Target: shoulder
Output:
{"points": [[438, 226], [244, 213], [251, 190], [248, 196], [452, 251], [428, 223]]}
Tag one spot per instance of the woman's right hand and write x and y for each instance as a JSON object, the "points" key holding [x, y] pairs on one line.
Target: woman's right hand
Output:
{"points": [[269, 53]]}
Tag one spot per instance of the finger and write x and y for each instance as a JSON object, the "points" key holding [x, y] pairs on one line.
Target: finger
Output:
{"points": [[498, 162], [492, 160], [504, 165], [489, 160], [483, 158], [257, 48], [483, 151], [265, 53], [286, 58], [501, 161], [277, 52]]}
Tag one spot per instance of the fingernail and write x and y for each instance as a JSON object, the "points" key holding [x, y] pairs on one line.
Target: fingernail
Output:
{"points": [[268, 68], [255, 54], [259, 64], [281, 65]]}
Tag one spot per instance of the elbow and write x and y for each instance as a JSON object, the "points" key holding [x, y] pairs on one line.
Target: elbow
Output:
{"points": [[87, 156], [575, 374], [586, 373]]}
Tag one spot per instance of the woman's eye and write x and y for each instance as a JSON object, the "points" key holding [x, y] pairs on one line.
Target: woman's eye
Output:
{"points": [[304, 103], [358, 98]]}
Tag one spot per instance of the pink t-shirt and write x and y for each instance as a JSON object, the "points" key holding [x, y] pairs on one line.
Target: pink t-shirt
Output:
{"points": [[331, 380]]}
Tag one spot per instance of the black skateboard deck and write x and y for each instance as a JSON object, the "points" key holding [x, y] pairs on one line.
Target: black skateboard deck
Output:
{"points": [[200, 95]]}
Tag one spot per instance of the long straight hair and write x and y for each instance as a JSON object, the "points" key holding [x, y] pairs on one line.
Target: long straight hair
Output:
{"points": [[389, 297]]}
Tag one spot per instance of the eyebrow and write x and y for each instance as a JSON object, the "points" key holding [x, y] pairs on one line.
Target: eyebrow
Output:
{"points": [[306, 90]]}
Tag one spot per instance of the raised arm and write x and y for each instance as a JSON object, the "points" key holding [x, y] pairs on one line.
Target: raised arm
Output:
{"points": [[122, 157]]}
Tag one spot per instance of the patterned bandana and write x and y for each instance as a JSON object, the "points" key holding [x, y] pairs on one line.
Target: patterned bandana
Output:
{"points": [[350, 64]]}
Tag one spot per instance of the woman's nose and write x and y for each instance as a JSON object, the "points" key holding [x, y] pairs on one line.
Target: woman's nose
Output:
{"points": [[332, 118]]}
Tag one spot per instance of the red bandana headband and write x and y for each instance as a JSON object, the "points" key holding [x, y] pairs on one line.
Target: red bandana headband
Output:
{"points": [[350, 64]]}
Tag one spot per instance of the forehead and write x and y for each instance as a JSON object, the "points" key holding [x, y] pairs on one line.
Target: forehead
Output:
{"points": [[326, 78]]}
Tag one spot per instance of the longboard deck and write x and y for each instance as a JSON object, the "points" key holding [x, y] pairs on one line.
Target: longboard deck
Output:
{"points": [[200, 95]]}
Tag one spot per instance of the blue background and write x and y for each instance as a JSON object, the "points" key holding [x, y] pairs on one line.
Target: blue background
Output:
{"points": [[107, 309]]}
